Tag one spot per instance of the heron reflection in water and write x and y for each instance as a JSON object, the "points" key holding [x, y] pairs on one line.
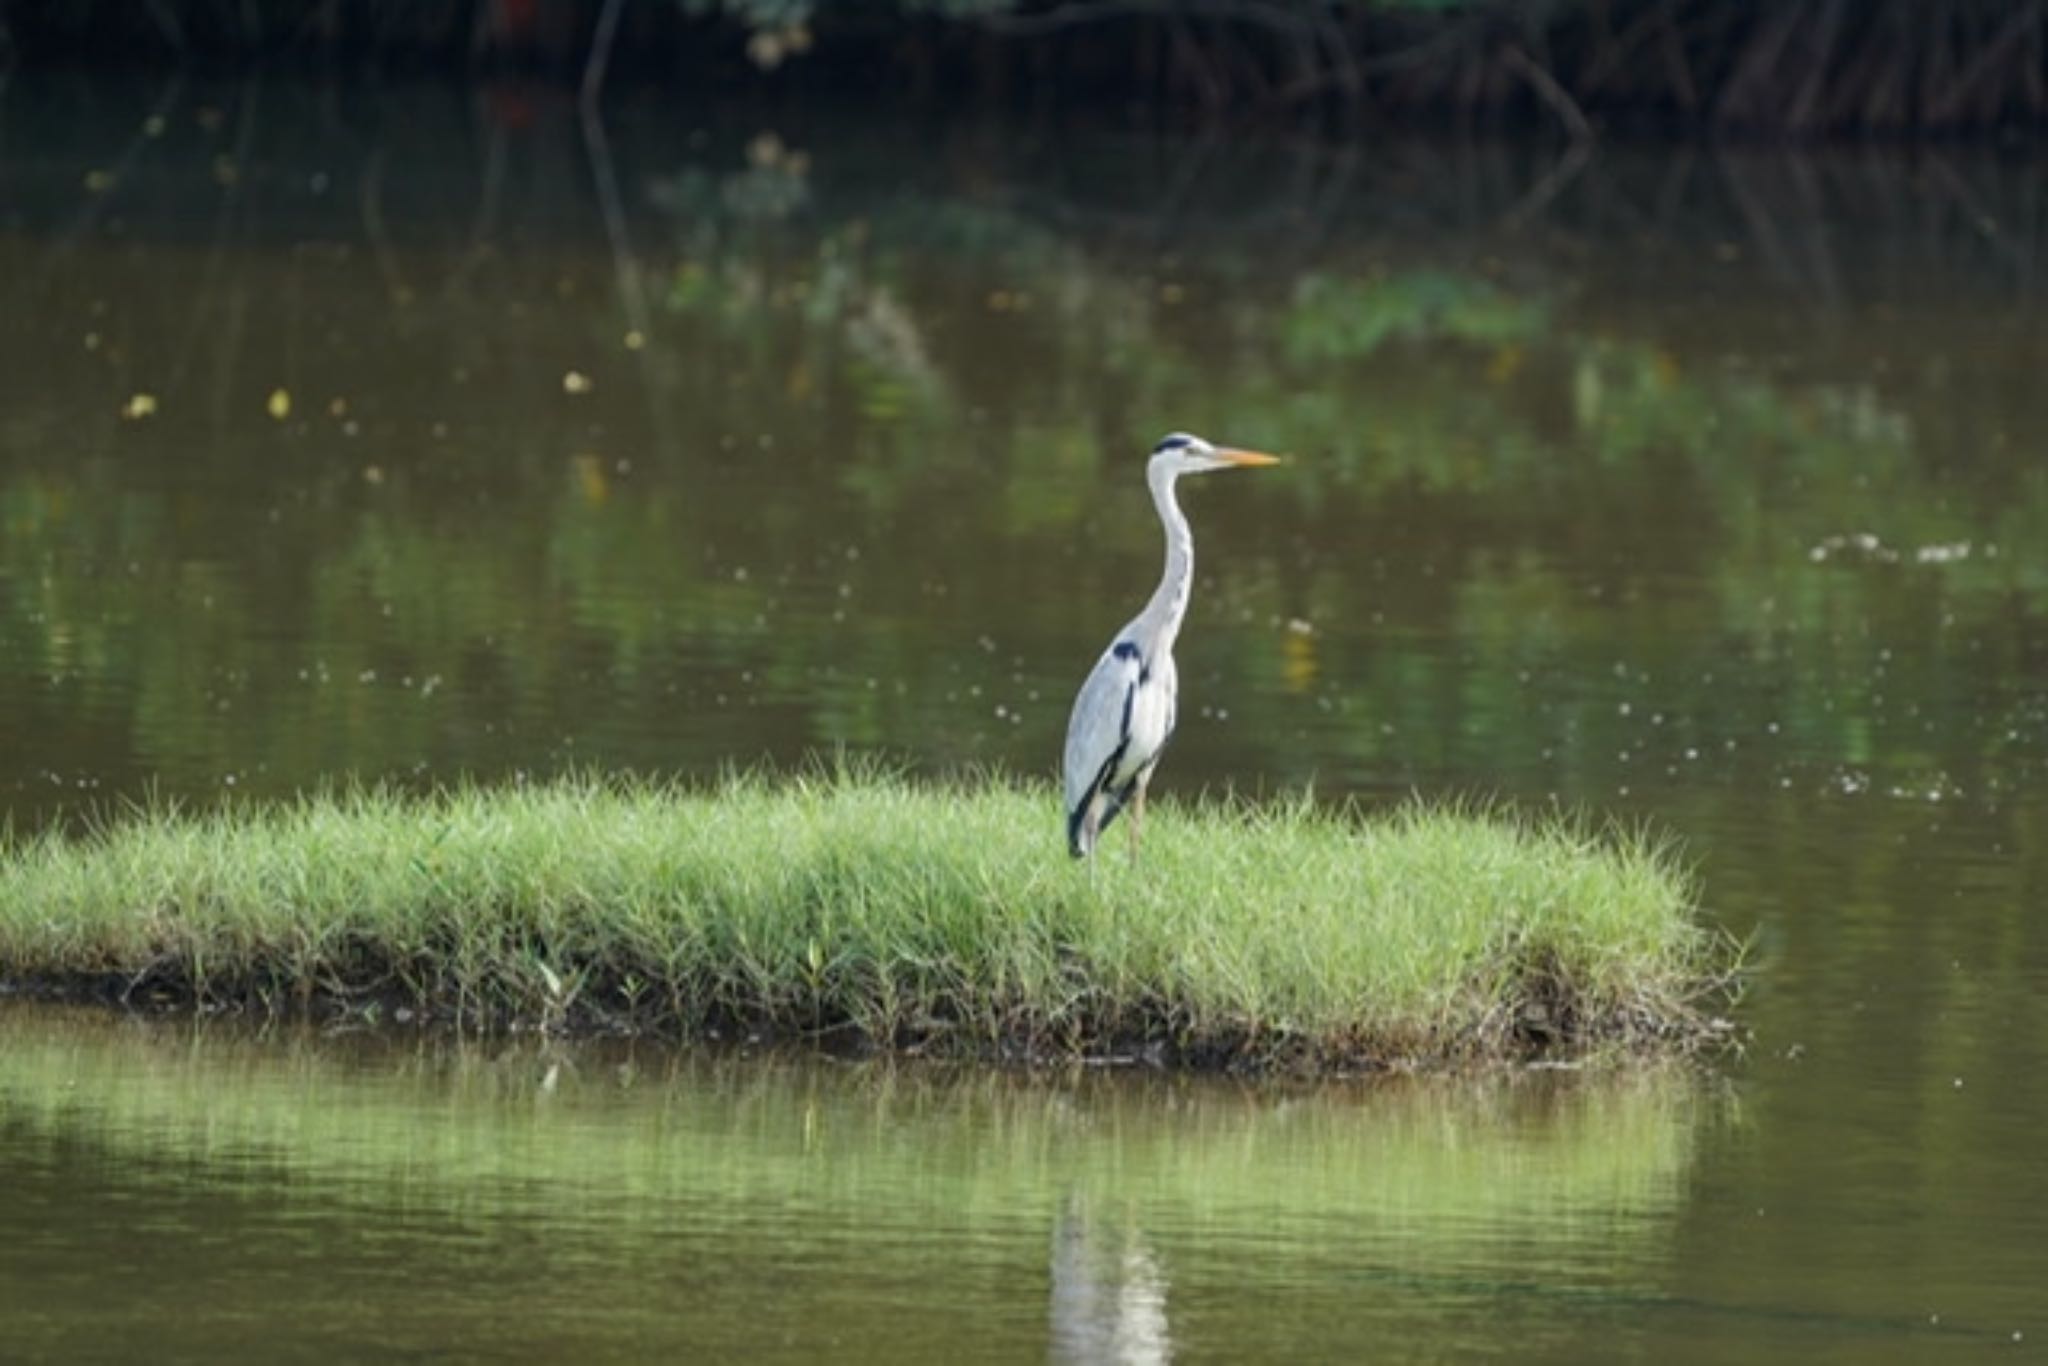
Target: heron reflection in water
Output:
{"points": [[1108, 1293]]}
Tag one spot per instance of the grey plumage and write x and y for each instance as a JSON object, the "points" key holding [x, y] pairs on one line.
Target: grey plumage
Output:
{"points": [[1126, 710]]}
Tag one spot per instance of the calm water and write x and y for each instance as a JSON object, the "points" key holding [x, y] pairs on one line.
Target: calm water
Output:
{"points": [[428, 434]]}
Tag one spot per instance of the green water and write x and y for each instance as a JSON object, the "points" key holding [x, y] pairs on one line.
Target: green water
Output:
{"points": [[435, 433], [506, 1201]]}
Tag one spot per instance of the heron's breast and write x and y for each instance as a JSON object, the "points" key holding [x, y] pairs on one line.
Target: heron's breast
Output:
{"points": [[1151, 718]]}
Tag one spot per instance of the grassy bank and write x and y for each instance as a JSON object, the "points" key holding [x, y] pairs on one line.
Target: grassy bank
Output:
{"points": [[863, 909]]}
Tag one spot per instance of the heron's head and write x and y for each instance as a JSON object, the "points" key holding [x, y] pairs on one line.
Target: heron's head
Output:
{"points": [[1184, 454]]}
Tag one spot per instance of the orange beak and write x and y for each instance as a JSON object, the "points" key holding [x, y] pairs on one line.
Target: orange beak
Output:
{"points": [[1237, 457]]}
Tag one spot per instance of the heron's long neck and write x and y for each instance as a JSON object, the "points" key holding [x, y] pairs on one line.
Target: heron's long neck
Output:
{"points": [[1162, 615]]}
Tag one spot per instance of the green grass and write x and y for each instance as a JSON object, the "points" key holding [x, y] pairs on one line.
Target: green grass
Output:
{"points": [[860, 908]]}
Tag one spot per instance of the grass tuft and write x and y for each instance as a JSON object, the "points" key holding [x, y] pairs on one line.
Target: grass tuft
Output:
{"points": [[858, 907]]}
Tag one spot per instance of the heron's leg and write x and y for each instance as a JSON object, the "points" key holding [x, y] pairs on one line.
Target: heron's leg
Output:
{"points": [[1091, 829], [1138, 814]]}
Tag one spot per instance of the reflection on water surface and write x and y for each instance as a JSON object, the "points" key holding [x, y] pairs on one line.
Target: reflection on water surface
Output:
{"points": [[485, 448], [420, 433], [872, 1211]]}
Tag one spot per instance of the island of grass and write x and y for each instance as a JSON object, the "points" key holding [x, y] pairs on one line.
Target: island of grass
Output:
{"points": [[862, 910]]}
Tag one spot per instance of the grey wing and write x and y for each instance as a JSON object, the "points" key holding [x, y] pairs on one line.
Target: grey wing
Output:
{"points": [[1100, 724]]}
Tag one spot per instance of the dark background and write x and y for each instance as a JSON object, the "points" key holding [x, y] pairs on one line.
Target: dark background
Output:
{"points": [[1796, 68]]}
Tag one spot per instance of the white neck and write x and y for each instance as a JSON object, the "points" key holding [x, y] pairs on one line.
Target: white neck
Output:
{"points": [[1160, 621]]}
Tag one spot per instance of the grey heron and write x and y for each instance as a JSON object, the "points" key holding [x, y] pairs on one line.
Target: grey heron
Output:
{"points": [[1126, 710]]}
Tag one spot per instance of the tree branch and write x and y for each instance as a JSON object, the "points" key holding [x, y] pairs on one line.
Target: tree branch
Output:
{"points": [[1549, 91]]}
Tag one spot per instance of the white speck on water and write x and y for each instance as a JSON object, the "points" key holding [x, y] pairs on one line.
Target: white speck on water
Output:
{"points": [[1862, 542]]}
